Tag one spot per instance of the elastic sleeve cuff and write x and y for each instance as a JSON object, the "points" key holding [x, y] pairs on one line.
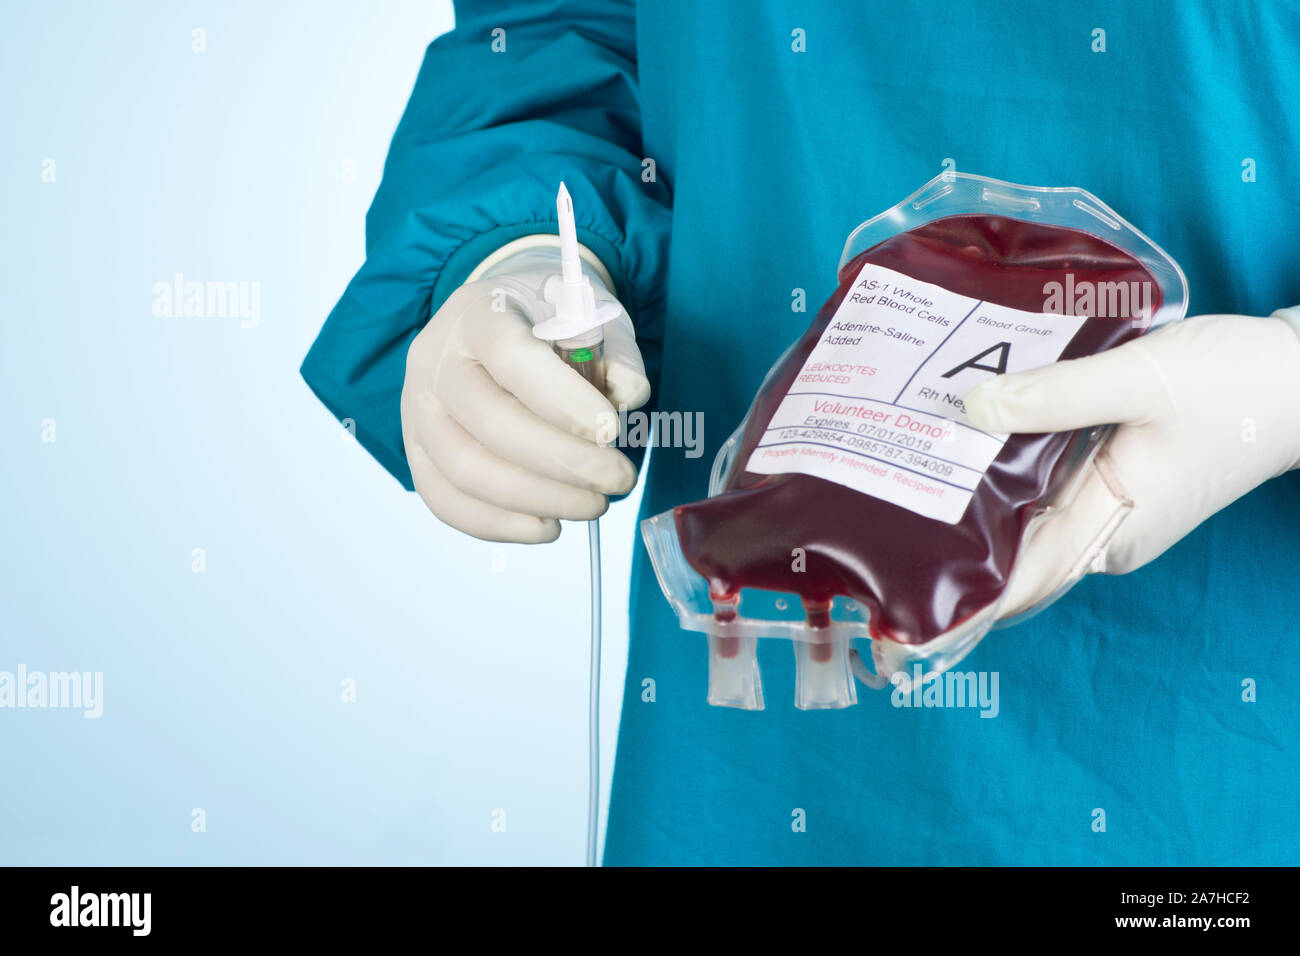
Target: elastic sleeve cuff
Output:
{"points": [[516, 251], [488, 247]]}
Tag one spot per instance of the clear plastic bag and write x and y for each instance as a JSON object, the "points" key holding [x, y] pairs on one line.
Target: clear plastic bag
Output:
{"points": [[855, 501]]}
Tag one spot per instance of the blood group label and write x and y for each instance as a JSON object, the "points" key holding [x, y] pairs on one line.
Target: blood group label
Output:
{"points": [[878, 407]]}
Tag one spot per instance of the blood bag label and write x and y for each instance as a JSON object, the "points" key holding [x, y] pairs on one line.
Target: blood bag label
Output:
{"points": [[878, 407]]}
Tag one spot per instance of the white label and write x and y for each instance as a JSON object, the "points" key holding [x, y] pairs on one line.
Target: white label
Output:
{"points": [[878, 404]]}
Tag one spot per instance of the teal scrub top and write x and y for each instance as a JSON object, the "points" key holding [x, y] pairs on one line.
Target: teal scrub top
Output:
{"points": [[718, 155]]}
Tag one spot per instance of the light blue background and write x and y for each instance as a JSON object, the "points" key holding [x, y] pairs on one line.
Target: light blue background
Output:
{"points": [[222, 689]]}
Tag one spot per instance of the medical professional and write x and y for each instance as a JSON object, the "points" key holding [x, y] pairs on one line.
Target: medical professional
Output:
{"points": [[718, 155]]}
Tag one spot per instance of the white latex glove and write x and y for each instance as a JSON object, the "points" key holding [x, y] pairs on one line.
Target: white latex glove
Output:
{"points": [[501, 436], [1208, 408]]}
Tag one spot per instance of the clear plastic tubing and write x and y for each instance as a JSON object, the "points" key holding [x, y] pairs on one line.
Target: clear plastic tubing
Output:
{"points": [[593, 698], [586, 356]]}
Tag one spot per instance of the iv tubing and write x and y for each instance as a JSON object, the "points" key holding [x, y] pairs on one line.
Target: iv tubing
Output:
{"points": [[593, 703]]}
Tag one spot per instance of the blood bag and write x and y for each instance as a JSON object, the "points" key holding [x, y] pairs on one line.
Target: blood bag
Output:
{"points": [[855, 501]]}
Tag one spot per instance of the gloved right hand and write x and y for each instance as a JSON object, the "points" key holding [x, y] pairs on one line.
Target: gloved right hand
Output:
{"points": [[1208, 408], [502, 437]]}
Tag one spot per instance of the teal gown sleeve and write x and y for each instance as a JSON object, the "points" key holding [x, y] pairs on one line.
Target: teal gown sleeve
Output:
{"points": [[516, 98]]}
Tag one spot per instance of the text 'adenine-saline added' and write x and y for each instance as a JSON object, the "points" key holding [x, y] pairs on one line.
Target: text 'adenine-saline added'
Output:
{"points": [[877, 407]]}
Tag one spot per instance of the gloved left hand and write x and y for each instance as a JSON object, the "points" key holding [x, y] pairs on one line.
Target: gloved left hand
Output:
{"points": [[1208, 408], [503, 438]]}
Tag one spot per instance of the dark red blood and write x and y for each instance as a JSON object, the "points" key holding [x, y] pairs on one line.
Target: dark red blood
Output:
{"points": [[917, 576]]}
